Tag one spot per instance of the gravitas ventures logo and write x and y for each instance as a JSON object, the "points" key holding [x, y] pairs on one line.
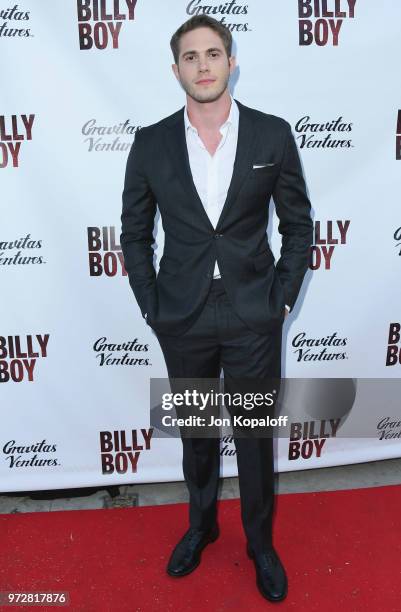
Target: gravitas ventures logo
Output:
{"points": [[328, 348], [100, 22], [397, 238], [230, 14], [388, 428], [38, 454], [107, 137], [20, 252], [124, 353], [333, 134], [320, 21], [11, 21]]}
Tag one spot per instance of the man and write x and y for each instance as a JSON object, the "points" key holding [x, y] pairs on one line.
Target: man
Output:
{"points": [[218, 301]]}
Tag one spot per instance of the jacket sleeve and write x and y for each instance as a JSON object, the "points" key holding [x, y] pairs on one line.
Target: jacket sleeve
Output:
{"points": [[295, 224], [137, 223]]}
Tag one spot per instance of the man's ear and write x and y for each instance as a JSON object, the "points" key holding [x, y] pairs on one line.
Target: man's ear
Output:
{"points": [[176, 71], [232, 62]]}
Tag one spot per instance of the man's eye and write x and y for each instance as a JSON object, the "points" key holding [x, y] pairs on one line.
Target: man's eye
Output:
{"points": [[214, 54], [190, 57]]}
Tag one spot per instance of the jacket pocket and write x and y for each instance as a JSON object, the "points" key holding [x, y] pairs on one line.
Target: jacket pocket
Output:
{"points": [[264, 171]]}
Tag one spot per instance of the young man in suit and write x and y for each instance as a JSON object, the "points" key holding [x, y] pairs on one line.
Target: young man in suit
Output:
{"points": [[218, 301]]}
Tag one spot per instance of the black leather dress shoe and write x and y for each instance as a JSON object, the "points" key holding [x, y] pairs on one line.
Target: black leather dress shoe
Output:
{"points": [[186, 556], [271, 578]]}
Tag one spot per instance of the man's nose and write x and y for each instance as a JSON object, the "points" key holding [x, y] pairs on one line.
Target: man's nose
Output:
{"points": [[203, 64]]}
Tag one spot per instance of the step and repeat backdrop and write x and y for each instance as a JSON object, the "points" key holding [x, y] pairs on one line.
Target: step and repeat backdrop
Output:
{"points": [[79, 79]]}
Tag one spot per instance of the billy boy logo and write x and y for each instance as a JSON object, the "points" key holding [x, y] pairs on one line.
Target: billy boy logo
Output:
{"points": [[105, 254], [14, 130], [120, 452], [19, 354], [307, 439], [320, 21], [328, 236], [100, 22], [222, 11], [394, 347], [398, 137]]}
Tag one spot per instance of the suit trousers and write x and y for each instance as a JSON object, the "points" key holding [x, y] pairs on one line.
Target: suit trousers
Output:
{"points": [[219, 339]]}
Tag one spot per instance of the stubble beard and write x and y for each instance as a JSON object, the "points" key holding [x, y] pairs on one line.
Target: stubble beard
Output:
{"points": [[207, 96]]}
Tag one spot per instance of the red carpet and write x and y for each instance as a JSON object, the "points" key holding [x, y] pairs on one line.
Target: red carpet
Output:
{"points": [[341, 550]]}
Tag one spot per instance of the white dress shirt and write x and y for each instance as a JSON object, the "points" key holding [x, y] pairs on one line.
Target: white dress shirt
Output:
{"points": [[212, 173]]}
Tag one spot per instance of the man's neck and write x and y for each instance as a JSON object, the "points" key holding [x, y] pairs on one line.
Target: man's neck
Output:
{"points": [[209, 115]]}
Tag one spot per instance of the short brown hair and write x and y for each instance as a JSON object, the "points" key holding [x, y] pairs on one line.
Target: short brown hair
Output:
{"points": [[201, 21]]}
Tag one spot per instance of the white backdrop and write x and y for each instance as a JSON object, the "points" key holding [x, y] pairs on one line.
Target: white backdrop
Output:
{"points": [[68, 116]]}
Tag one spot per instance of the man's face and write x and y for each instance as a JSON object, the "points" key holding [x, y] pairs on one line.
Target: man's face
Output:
{"points": [[203, 66]]}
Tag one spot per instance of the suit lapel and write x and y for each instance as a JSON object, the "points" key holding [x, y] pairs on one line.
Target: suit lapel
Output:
{"points": [[243, 159], [177, 146]]}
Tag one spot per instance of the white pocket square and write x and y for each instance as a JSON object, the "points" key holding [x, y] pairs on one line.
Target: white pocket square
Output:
{"points": [[256, 166]]}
